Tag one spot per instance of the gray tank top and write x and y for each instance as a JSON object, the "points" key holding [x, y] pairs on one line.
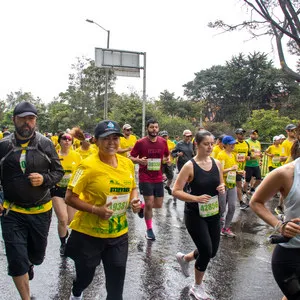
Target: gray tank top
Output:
{"points": [[292, 205]]}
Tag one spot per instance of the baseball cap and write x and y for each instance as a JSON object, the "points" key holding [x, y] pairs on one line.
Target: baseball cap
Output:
{"points": [[254, 131], [107, 127], [282, 136], [126, 126], [24, 109], [163, 133], [276, 138], [187, 133], [240, 130], [290, 127], [228, 140]]}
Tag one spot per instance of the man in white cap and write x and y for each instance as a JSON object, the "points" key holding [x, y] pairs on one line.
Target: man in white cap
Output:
{"points": [[127, 142], [184, 149]]}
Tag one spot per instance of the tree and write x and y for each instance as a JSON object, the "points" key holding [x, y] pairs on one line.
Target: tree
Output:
{"points": [[268, 123], [279, 19]]}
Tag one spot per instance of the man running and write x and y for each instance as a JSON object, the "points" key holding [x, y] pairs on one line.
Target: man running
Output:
{"points": [[127, 142], [150, 152]]}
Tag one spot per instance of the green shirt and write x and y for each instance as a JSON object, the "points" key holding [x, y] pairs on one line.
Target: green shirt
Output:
{"points": [[255, 149]]}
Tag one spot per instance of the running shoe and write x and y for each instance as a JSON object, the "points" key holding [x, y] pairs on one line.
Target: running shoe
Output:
{"points": [[150, 235], [72, 297], [141, 213], [279, 210], [168, 189], [30, 272], [243, 205], [62, 249], [183, 264], [199, 293], [227, 232]]}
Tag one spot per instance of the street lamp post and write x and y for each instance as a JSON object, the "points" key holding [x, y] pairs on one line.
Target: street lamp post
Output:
{"points": [[106, 72]]}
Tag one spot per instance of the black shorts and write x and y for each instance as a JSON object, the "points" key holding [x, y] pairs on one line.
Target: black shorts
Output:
{"points": [[89, 251], [58, 191], [239, 177], [152, 189], [252, 172], [168, 170], [25, 237]]}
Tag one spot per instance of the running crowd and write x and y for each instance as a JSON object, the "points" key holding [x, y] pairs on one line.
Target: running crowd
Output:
{"points": [[90, 182]]}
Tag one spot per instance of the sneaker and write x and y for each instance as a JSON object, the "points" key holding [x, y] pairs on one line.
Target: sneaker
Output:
{"points": [[62, 249], [141, 213], [243, 205], [222, 232], [150, 235], [30, 272], [72, 297], [279, 210], [183, 264], [168, 189], [199, 293], [227, 232]]}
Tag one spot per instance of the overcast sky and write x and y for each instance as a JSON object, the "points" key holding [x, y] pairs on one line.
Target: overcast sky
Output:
{"points": [[40, 40]]}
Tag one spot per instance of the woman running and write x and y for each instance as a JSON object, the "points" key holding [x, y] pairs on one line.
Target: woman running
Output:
{"points": [[202, 219]]}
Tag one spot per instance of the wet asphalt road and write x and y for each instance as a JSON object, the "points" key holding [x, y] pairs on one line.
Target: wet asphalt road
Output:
{"points": [[240, 271]]}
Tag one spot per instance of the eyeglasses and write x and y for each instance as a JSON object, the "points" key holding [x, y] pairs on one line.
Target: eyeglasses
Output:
{"points": [[66, 138], [189, 136], [130, 129]]}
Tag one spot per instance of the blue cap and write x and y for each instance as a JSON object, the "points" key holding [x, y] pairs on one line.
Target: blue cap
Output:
{"points": [[228, 140]]}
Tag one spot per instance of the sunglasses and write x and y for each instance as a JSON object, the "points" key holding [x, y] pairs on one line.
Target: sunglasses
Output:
{"points": [[66, 138], [130, 129]]}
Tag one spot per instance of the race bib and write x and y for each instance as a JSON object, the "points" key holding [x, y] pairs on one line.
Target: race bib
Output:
{"points": [[153, 164], [276, 160], [209, 208], [257, 152], [241, 157], [231, 177], [65, 180], [119, 204]]}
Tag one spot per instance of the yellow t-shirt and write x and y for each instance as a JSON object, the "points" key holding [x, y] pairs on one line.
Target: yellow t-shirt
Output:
{"points": [[29, 210], [125, 143], [54, 139], [228, 161], [216, 150], [1, 135], [171, 146], [98, 184], [275, 160], [286, 148], [76, 143], [69, 164], [85, 153], [241, 150]]}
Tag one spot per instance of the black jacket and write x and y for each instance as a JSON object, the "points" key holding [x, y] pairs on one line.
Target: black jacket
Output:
{"points": [[188, 153], [41, 158]]}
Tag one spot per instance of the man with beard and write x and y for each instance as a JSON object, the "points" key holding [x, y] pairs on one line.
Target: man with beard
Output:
{"points": [[150, 152], [29, 167]]}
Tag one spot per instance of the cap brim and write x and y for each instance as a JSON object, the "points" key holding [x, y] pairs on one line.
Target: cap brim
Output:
{"points": [[107, 133], [24, 114]]}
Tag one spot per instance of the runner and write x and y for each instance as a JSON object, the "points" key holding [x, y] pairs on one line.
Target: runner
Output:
{"points": [[274, 153], [106, 183], [202, 218], [230, 169], [150, 152], [127, 141], [218, 146], [69, 160], [242, 154]]}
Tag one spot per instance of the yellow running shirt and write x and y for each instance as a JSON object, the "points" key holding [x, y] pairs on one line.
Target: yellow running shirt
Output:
{"points": [[228, 161], [241, 151], [98, 183], [125, 143], [85, 153], [275, 160], [216, 150]]}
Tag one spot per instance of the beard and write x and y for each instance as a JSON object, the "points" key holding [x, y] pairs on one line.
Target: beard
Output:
{"points": [[152, 134], [25, 131]]}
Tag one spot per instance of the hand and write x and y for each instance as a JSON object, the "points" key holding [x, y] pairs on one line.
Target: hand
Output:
{"points": [[291, 229], [203, 198], [180, 154], [143, 161], [221, 188], [103, 211], [36, 179], [1, 209], [234, 168], [135, 205]]}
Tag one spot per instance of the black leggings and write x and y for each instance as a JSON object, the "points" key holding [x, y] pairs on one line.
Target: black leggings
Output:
{"points": [[286, 271], [205, 233]]}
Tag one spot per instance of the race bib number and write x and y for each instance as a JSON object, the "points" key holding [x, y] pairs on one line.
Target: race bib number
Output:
{"points": [[276, 160], [153, 164], [241, 157], [65, 180], [231, 177], [119, 204], [257, 152], [209, 208]]}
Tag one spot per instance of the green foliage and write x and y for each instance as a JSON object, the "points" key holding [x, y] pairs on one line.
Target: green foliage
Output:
{"points": [[218, 128], [268, 123]]}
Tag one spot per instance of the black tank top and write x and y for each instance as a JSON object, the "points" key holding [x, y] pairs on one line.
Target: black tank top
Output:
{"points": [[204, 182]]}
